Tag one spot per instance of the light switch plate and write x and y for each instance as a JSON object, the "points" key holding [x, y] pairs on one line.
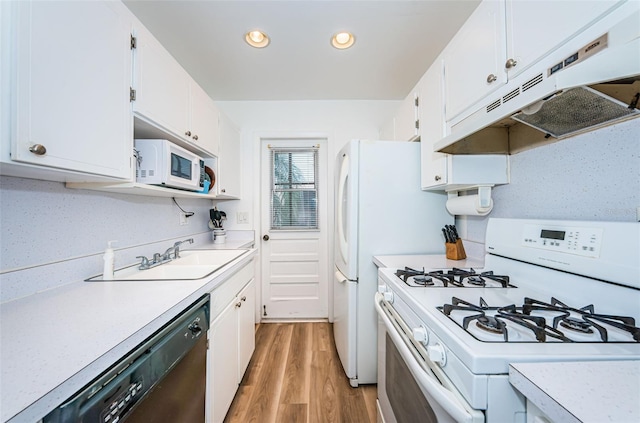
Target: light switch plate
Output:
{"points": [[184, 220]]}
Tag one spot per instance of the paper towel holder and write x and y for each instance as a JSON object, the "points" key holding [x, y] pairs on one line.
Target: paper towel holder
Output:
{"points": [[484, 203]]}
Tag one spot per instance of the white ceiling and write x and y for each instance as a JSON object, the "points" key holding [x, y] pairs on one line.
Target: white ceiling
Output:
{"points": [[396, 41]]}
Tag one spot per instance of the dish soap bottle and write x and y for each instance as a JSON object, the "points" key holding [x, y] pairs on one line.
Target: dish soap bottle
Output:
{"points": [[109, 262]]}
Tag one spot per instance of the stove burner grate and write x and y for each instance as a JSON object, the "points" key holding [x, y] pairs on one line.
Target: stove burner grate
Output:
{"points": [[493, 319], [454, 277]]}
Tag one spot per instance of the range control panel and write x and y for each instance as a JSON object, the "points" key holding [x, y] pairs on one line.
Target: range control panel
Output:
{"points": [[573, 240]]}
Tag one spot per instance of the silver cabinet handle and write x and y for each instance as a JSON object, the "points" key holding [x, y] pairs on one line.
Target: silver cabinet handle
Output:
{"points": [[223, 190], [195, 137], [491, 78], [188, 133], [38, 149], [511, 63], [437, 177], [244, 298], [266, 237], [238, 304]]}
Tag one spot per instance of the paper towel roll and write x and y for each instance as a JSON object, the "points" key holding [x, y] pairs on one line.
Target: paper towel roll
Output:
{"points": [[468, 205]]}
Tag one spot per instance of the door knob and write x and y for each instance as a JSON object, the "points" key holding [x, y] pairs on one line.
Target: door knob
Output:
{"points": [[266, 237], [491, 78], [510, 64]]}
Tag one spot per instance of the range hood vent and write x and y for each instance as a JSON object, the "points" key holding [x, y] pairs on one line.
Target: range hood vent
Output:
{"points": [[574, 111], [598, 85]]}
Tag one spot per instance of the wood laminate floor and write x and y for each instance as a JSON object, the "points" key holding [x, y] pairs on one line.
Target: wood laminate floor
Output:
{"points": [[295, 376]]}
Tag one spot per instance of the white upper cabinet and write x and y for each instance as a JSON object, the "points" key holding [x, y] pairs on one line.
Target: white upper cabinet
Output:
{"points": [[534, 28], [474, 59], [167, 97], [434, 165], [161, 85], [229, 166], [407, 126], [204, 123], [70, 90]]}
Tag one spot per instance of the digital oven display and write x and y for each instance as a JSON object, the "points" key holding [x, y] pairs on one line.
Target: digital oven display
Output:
{"points": [[180, 167], [547, 234]]}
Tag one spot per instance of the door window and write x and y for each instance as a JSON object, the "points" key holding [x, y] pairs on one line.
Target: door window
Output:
{"points": [[294, 188]]}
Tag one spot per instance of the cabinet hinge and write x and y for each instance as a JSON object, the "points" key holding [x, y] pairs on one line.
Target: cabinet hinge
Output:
{"points": [[416, 101], [264, 308], [132, 94], [418, 124], [134, 42]]}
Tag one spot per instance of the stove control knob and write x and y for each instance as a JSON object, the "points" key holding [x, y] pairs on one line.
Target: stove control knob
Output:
{"points": [[436, 354], [388, 297], [420, 334]]}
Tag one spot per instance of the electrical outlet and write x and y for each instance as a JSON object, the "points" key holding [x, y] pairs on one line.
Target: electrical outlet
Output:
{"points": [[184, 220], [242, 217]]}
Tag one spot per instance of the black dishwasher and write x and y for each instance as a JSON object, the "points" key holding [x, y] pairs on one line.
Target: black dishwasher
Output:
{"points": [[161, 380]]}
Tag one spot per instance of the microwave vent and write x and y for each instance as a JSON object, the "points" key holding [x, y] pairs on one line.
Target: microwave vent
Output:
{"points": [[510, 96], [531, 83]]}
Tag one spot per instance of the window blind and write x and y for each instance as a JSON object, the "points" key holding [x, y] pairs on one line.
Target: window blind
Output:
{"points": [[294, 188]]}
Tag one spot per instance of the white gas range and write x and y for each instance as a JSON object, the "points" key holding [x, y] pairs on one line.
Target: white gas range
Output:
{"points": [[549, 291]]}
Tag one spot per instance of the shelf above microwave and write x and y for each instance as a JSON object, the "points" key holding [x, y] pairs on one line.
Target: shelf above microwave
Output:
{"points": [[139, 189]]}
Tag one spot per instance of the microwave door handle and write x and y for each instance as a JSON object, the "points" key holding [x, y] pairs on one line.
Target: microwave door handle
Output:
{"points": [[449, 399]]}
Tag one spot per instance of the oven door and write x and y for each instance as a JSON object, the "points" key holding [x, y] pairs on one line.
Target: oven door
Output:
{"points": [[410, 387]]}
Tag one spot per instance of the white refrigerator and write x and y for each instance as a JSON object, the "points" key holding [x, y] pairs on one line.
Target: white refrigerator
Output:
{"points": [[380, 209]]}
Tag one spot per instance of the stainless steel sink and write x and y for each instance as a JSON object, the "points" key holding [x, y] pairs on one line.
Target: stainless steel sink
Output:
{"points": [[192, 265]]}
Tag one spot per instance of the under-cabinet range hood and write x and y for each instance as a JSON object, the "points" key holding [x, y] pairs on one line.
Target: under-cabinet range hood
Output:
{"points": [[595, 86]]}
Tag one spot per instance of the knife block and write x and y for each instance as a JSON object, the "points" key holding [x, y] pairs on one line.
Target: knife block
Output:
{"points": [[455, 250]]}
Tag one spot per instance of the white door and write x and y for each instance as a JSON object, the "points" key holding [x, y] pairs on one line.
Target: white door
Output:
{"points": [[294, 228]]}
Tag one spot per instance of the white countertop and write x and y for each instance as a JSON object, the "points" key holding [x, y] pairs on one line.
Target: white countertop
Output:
{"points": [[428, 261], [55, 342], [587, 392]]}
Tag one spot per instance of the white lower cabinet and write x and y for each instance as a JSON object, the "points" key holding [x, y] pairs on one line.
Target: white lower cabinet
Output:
{"points": [[231, 340]]}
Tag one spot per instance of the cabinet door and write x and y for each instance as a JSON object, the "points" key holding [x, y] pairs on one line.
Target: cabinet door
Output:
{"points": [[72, 90], [222, 363], [432, 127], [474, 59], [204, 128], [246, 327], [526, 42], [405, 121], [229, 167], [162, 86]]}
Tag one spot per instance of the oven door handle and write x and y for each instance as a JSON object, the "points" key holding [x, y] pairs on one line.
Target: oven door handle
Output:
{"points": [[447, 397]]}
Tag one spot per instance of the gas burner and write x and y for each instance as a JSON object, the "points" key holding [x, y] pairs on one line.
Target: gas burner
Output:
{"points": [[423, 280], [407, 272], [491, 324], [476, 280], [578, 325]]}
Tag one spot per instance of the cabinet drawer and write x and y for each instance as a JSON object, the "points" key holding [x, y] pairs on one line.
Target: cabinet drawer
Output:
{"points": [[227, 290]]}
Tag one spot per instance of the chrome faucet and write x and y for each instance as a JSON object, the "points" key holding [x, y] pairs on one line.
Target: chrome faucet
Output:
{"points": [[159, 259], [175, 249]]}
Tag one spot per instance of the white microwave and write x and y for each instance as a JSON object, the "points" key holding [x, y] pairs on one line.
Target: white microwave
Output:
{"points": [[161, 162]]}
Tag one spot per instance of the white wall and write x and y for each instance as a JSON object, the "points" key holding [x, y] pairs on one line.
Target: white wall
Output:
{"points": [[594, 176]]}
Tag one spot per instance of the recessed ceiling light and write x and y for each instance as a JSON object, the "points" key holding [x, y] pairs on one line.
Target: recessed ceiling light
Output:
{"points": [[257, 39], [343, 40]]}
